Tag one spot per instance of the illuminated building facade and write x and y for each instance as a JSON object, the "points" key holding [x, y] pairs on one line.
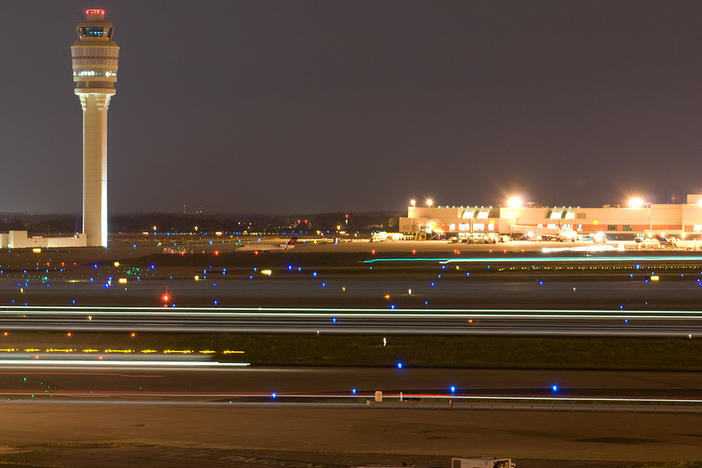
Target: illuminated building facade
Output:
{"points": [[95, 56], [638, 218]]}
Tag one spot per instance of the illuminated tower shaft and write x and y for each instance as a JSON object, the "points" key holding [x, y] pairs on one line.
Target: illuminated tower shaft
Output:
{"points": [[95, 58]]}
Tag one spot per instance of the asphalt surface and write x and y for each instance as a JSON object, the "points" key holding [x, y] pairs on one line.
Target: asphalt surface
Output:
{"points": [[110, 435]]}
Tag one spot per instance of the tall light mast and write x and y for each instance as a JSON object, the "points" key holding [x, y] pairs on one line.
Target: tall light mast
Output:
{"points": [[95, 57]]}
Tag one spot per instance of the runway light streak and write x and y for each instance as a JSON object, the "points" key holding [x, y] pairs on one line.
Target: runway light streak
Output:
{"points": [[444, 260], [386, 396], [352, 312], [112, 374], [116, 363]]}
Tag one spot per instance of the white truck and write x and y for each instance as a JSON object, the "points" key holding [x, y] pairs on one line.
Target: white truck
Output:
{"points": [[382, 236]]}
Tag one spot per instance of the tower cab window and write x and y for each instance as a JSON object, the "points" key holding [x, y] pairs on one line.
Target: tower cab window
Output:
{"points": [[93, 32]]}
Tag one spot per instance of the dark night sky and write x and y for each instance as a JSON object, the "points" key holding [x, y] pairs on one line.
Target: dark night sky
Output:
{"points": [[305, 106]]}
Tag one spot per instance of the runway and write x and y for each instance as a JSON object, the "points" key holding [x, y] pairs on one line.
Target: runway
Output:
{"points": [[179, 381], [347, 320]]}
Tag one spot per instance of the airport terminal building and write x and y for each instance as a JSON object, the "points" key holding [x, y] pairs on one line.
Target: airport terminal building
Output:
{"points": [[678, 219]]}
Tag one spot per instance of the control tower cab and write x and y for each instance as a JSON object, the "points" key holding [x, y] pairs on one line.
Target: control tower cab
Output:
{"points": [[95, 56]]}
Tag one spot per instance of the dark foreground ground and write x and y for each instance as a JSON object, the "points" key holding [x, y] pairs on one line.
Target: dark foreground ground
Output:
{"points": [[122, 435]]}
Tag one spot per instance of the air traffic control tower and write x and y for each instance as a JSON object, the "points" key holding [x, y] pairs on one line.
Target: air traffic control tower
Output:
{"points": [[95, 57]]}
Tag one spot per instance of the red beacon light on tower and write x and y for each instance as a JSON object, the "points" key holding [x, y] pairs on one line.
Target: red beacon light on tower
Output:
{"points": [[94, 12]]}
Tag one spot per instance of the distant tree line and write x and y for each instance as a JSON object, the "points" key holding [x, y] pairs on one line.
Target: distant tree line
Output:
{"points": [[170, 222]]}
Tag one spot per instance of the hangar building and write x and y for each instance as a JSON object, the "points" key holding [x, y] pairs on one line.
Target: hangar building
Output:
{"points": [[678, 219]]}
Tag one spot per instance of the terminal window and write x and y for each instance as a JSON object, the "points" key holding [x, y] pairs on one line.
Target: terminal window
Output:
{"points": [[627, 227], [612, 227]]}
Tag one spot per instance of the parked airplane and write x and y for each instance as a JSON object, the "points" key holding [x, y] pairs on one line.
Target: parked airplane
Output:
{"points": [[261, 246]]}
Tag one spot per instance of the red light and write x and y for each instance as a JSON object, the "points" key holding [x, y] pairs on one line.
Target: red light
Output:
{"points": [[94, 12], [373, 252], [216, 252], [165, 298], [347, 216], [414, 251], [255, 252]]}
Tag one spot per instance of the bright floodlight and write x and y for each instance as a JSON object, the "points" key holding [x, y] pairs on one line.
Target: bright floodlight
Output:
{"points": [[514, 202], [636, 202], [430, 202], [413, 202]]}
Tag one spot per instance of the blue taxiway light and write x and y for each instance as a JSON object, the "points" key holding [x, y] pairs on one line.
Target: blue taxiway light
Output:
{"points": [[554, 388], [399, 365]]}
